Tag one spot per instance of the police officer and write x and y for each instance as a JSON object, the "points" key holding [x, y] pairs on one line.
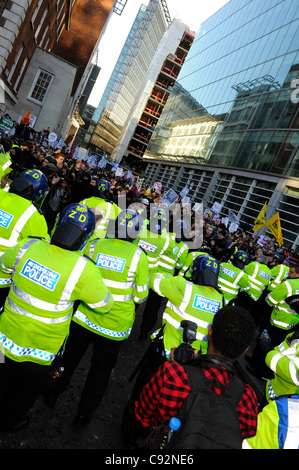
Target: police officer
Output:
{"points": [[279, 272], [284, 300], [124, 268], [197, 300], [108, 210], [185, 271], [175, 261], [5, 160], [278, 423], [48, 278], [20, 216], [156, 242], [232, 277], [259, 275]]}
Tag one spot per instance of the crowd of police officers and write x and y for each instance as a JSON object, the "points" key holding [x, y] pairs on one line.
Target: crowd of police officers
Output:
{"points": [[81, 283]]}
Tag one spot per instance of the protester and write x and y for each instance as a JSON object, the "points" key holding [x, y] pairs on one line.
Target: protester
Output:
{"points": [[72, 181], [229, 337]]}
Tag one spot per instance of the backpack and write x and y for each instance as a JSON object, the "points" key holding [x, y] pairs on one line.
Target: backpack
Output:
{"points": [[208, 421]]}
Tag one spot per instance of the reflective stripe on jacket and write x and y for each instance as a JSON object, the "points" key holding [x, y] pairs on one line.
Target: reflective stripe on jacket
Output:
{"points": [[283, 316], [186, 301], [19, 218], [259, 277], [46, 282], [124, 268], [232, 279]]}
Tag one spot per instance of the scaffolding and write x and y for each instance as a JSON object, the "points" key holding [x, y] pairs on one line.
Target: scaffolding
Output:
{"points": [[119, 6]]}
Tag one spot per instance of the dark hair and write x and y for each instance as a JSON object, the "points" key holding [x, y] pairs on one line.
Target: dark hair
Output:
{"points": [[233, 330], [7, 143]]}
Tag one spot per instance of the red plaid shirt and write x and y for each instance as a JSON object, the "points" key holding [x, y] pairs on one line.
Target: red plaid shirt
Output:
{"points": [[162, 397]]}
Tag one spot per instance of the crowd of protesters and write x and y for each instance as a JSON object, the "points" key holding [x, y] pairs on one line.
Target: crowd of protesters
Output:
{"points": [[71, 181]]}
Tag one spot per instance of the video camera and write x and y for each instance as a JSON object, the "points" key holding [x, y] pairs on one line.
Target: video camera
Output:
{"points": [[184, 352]]}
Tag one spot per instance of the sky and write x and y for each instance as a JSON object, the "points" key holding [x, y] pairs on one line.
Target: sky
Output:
{"points": [[191, 12]]}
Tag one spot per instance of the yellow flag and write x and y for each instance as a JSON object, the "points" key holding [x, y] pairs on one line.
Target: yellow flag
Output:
{"points": [[260, 221], [273, 224]]}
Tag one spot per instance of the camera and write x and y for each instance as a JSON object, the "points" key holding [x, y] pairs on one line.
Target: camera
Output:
{"points": [[184, 352]]}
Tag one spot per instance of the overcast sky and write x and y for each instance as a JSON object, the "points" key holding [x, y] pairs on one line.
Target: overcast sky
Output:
{"points": [[191, 12]]}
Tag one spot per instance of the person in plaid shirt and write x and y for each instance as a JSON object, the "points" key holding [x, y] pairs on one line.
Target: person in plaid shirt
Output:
{"points": [[229, 337]]}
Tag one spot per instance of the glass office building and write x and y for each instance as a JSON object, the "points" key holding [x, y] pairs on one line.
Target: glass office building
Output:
{"points": [[119, 63], [146, 33], [230, 130]]}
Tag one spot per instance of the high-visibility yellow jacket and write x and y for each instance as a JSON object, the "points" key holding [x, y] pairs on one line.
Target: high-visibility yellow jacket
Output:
{"points": [[19, 219], [47, 281], [124, 268]]}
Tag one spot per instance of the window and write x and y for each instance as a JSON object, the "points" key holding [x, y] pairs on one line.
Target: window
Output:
{"points": [[40, 87], [21, 48]]}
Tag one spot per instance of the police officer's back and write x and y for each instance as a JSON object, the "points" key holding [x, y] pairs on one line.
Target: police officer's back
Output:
{"points": [[124, 268], [20, 216], [48, 278], [232, 277], [155, 240], [109, 210]]}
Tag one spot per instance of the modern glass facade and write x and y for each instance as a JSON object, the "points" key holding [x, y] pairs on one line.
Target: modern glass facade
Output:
{"points": [[149, 28], [119, 63], [234, 113]]}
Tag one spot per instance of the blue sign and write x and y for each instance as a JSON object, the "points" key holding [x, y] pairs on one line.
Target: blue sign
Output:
{"points": [[147, 246], [265, 275], [111, 262], [208, 305], [39, 274], [5, 219], [228, 272]]}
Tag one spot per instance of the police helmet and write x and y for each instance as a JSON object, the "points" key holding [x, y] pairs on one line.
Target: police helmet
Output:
{"points": [[127, 225], [159, 219], [75, 224], [31, 184], [277, 257], [205, 249], [205, 271], [102, 189], [240, 259], [181, 229]]}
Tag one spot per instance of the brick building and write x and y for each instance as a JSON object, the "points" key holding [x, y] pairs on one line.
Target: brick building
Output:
{"points": [[44, 43]]}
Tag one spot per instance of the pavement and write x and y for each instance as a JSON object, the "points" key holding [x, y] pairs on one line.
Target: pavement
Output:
{"points": [[51, 428]]}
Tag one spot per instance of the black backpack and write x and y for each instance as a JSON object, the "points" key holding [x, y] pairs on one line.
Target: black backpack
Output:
{"points": [[209, 421]]}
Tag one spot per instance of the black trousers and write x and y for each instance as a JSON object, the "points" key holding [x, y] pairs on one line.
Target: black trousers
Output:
{"points": [[21, 384], [150, 312], [104, 357], [132, 431]]}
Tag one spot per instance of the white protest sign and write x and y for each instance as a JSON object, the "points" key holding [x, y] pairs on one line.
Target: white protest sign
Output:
{"points": [[119, 172], [52, 137], [232, 217], [216, 208], [224, 220], [184, 192], [169, 198], [157, 186], [82, 154], [197, 206], [233, 227], [185, 201]]}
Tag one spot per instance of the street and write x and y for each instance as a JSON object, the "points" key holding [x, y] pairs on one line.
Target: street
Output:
{"points": [[52, 429]]}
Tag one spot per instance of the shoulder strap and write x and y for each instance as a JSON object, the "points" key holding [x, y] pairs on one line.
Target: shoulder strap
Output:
{"points": [[233, 391]]}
